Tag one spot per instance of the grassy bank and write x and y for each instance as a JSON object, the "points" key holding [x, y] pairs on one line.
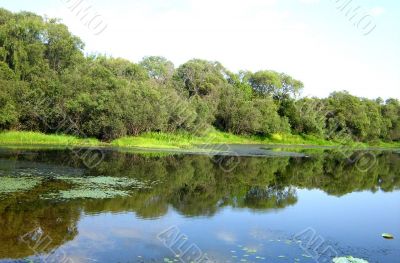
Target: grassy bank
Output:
{"points": [[173, 141], [186, 140], [181, 140], [37, 138]]}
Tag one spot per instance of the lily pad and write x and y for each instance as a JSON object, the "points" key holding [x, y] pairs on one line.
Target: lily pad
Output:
{"points": [[13, 184], [90, 193], [102, 187], [348, 259], [387, 236]]}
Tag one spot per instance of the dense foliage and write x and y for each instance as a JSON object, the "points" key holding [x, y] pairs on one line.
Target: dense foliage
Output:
{"points": [[47, 84]]}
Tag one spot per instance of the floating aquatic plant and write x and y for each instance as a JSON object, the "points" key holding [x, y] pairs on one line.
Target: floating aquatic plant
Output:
{"points": [[106, 181], [348, 259], [17, 184], [102, 187], [90, 193]]}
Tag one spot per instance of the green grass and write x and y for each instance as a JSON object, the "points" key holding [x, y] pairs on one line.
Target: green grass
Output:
{"points": [[156, 140], [291, 139], [188, 141], [181, 140], [37, 138]]}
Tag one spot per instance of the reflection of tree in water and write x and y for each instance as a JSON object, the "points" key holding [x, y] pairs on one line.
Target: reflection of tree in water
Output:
{"points": [[269, 197], [336, 175], [192, 185], [19, 220]]}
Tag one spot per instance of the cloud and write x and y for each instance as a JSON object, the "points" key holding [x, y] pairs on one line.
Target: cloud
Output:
{"points": [[377, 11], [309, 1], [226, 236]]}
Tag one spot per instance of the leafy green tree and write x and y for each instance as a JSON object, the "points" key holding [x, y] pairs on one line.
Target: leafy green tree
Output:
{"points": [[236, 114], [347, 116], [241, 82], [278, 85], [266, 82], [62, 48], [270, 122], [158, 68], [306, 116], [391, 118], [8, 108], [290, 87], [21, 45], [201, 77], [123, 69]]}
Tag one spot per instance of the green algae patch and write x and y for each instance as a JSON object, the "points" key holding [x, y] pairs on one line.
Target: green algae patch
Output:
{"points": [[10, 185], [103, 187], [91, 194], [106, 182]]}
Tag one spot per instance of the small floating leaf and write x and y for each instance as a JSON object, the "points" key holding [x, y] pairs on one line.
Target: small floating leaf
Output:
{"points": [[387, 236]]}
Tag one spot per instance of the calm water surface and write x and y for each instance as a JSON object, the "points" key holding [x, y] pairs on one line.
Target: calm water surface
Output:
{"points": [[300, 207]]}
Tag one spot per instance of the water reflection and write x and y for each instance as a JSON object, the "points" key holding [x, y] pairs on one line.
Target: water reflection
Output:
{"points": [[192, 185]]}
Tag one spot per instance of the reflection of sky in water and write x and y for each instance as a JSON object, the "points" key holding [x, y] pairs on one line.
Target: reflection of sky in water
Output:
{"points": [[345, 223]]}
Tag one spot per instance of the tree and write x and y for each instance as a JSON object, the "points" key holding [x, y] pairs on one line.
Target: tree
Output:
{"points": [[278, 85], [236, 114], [307, 116], [290, 87], [270, 121], [62, 48], [8, 108], [348, 116], [201, 77], [158, 68], [391, 115], [266, 82]]}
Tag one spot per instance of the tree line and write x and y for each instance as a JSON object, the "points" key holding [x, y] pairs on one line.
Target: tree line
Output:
{"points": [[46, 82]]}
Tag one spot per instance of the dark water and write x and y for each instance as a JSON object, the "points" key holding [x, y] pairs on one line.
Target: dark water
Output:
{"points": [[301, 207]]}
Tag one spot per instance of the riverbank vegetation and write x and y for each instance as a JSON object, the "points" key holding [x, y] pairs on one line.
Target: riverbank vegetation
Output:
{"points": [[183, 140], [48, 85], [37, 138]]}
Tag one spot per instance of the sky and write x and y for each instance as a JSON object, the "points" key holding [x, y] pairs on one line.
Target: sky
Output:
{"points": [[330, 45]]}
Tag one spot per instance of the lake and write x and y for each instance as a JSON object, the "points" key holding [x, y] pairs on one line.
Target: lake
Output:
{"points": [[261, 205]]}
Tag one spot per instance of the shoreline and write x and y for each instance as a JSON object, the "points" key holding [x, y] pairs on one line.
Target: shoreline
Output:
{"points": [[162, 142]]}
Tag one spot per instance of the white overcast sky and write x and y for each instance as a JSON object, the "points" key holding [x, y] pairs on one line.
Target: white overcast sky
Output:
{"points": [[309, 39]]}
